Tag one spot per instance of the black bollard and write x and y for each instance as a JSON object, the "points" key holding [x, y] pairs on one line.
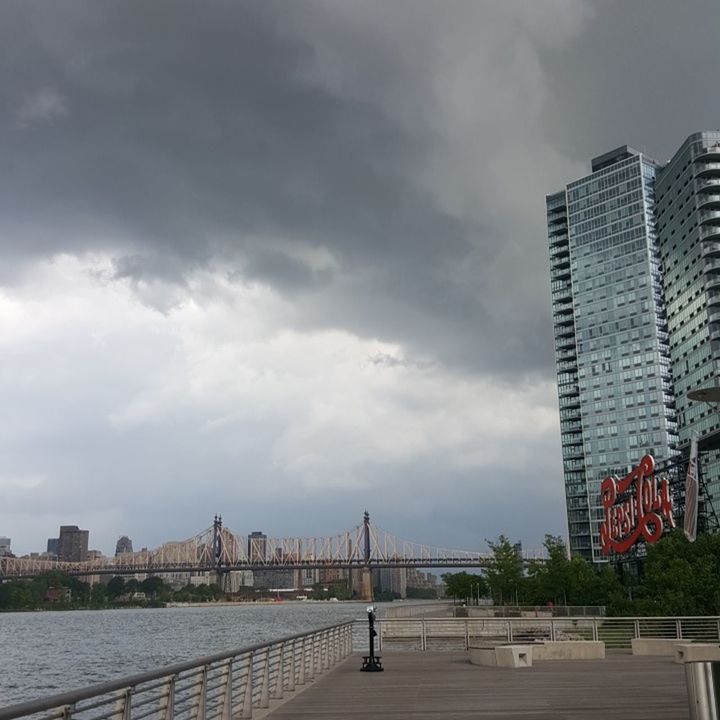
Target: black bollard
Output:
{"points": [[371, 662]]}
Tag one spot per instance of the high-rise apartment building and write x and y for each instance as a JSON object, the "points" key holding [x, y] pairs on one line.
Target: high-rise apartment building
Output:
{"points": [[611, 341], [688, 225], [73, 543], [5, 546]]}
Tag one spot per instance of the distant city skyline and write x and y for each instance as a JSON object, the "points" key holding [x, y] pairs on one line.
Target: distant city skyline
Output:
{"points": [[298, 267]]}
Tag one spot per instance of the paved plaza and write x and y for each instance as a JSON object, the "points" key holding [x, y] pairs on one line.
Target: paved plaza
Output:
{"points": [[445, 685]]}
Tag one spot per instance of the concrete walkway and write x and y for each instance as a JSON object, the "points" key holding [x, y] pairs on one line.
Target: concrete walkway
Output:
{"points": [[445, 685]]}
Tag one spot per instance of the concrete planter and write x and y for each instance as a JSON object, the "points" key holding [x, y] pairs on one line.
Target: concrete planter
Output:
{"points": [[697, 652], [658, 647], [569, 650]]}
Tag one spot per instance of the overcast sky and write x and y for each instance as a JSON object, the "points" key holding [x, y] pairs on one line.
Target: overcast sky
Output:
{"points": [[286, 261]]}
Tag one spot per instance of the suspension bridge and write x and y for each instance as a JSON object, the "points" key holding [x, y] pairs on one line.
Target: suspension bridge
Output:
{"points": [[217, 549]]}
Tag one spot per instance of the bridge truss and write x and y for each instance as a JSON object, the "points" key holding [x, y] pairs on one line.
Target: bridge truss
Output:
{"points": [[220, 550]]}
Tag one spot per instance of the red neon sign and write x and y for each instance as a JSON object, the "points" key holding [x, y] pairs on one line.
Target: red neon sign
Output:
{"points": [[639, 511]]}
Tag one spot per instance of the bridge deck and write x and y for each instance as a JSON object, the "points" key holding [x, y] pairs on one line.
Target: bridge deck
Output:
{"points": [[445, 685]]}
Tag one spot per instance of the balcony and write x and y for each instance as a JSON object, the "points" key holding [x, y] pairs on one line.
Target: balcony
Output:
{"points": [[708, 185], [559, 252], [711, 265], [709, 217], [565, 342], [708, 170], [567, 390], [557, 209], [710, 232], [713, 316], [708, 200], [563, 307], [571, 401], [712, 282], [713, 298], [711, 248], [710, 153]]}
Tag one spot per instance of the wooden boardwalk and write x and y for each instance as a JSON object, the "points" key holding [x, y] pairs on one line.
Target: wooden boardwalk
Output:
{"points": [[428, 685]]}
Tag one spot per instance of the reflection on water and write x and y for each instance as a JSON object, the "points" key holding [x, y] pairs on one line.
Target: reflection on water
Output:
{"points": [[44, 653]]}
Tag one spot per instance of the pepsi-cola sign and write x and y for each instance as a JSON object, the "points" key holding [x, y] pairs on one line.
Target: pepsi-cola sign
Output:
{"points": [[638, 506]]}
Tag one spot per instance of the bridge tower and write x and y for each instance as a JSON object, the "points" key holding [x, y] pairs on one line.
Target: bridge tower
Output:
{"points": [[217, 552], [366, 586]]}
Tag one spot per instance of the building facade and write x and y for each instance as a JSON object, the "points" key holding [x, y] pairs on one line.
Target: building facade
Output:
{"points": [[5, 543], [73, 543], [688, 226], [611, 342], [123, 545]]}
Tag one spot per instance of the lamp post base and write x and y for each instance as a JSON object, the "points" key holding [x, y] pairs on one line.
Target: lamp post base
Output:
{"points": [[371, 663]]}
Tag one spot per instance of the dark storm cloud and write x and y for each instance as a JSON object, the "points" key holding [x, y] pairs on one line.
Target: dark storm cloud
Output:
{"points": [[641, 75], [174, 135], [170, 134]]}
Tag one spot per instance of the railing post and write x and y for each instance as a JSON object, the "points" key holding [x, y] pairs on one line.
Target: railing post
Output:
{"points": [[202, 695], [325, 651], [301, 678], [168, 696], [291, 673], [67, 711], [509, 629], [467, 634], [265, 689], [311, 658], [423, 636], [636, 628], [122, 705], [552, 629], [595, 630], [702, 693], [247, 706], [277, 692], [678, 628], [380, 637], [227, 710]]}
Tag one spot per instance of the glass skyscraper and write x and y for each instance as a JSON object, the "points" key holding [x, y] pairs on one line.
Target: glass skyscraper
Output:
{"points": [[611, 341], [688, 226]]}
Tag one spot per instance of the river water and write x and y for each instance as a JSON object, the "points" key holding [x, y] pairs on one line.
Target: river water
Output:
{"points": [[44, 653]]}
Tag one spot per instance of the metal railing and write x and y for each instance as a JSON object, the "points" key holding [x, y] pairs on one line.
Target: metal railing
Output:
{"points": [[225, 686], [525, 611], [616, 632]]}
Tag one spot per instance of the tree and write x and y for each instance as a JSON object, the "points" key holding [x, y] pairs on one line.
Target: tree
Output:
{"points": [[116, 587], [464, 585], [680, 577], [153, 586], [98, 594], [549, 581], [505, 572]]}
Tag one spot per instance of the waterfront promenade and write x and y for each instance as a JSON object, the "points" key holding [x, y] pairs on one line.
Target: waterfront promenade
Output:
{"points": [[445, 685]]}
